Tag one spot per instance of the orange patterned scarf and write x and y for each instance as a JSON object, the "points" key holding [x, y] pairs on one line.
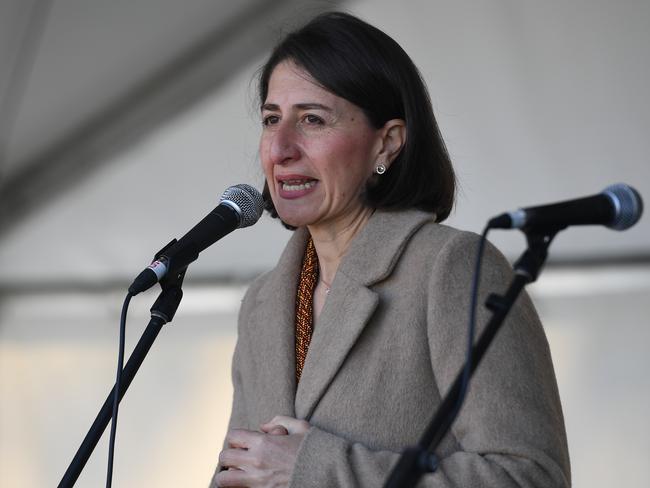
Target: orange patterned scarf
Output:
{"points": [[304, 305]]}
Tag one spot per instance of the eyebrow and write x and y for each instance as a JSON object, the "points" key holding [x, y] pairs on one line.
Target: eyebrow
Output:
{"points": [[302, 106]]}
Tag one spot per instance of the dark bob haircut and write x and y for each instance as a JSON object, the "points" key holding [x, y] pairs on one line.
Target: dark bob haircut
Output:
{"points": [[363, 65]]}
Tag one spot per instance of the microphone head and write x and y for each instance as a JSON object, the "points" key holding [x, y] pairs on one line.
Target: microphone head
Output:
{"points": [[246, 201], [627, 203]]}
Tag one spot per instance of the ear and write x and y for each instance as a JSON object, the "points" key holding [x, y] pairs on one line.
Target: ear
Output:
{"points": [[393, 137]]}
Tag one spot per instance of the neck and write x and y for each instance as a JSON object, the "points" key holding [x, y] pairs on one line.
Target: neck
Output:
{"points": [[332, 241]]}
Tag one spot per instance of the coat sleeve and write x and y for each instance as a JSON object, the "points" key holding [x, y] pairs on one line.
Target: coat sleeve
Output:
{"points": [[510, 432]]}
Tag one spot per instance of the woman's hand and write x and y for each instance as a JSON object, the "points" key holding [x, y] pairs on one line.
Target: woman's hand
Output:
{"points": [[262, 459]]}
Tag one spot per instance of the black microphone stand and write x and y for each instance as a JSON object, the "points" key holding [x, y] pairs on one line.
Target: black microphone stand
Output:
{"points": [[416, 461], [162, 312]]}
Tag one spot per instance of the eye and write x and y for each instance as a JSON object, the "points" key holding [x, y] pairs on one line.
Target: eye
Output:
{"points": [[270, 120], [312, 119]]}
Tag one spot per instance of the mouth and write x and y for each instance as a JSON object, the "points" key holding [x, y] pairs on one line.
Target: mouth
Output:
{"points": [[297, 183]]}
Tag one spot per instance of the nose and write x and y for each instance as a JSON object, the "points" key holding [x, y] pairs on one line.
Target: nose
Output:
{"points": [[283, 144]]}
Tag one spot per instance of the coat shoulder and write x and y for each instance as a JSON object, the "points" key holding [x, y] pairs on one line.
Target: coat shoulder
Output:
{"points": [[443, 243], [439, 243]]}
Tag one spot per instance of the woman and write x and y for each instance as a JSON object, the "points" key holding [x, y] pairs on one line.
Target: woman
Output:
{"points": [[346, 348]]}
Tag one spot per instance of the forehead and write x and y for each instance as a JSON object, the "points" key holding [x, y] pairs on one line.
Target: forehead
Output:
{"points": [[289, 83]]}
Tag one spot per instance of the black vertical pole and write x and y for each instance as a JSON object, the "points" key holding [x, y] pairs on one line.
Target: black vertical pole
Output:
{"points": [[104, 416]]}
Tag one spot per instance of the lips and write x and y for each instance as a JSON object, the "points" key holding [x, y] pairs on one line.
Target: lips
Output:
{"points": [[295, 185]]}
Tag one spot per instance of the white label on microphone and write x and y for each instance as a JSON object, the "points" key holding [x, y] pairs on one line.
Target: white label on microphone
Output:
{"points": [[158, 267], [518, 218]]}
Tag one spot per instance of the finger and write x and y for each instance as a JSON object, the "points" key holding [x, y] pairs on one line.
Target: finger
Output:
{"points": [[234, 458], [232, 478], [242, 438]]}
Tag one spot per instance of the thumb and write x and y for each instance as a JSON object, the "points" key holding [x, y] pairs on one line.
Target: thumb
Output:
{"points": [[289, 424], [273, 429]]}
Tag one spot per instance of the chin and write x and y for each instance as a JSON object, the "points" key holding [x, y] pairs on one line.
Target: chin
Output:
{"points": [[295, 215], [295, 219]]}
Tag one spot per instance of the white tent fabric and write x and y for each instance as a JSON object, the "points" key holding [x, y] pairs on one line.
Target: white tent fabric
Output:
{"points": [[538, 102]]}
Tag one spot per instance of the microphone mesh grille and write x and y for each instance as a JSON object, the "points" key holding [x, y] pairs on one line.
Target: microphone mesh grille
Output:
{"points": [[628, 203], [249, 201]]}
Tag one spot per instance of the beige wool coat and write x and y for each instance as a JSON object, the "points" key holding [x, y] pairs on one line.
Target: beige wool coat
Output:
{"points": [[387, 346]]}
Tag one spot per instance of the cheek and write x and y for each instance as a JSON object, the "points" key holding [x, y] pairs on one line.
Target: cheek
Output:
{"points": [[352, 159], [344, 151]]}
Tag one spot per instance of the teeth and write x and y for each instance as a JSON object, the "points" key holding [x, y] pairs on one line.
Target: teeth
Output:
{"points": [[289, 186]]}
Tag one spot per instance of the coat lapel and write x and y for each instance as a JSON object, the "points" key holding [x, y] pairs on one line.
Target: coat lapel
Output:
{"points": [[344, 316], [352, 301]]}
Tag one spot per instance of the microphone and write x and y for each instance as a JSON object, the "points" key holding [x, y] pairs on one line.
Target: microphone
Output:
{"points": [[239, 206], [618, 207]]}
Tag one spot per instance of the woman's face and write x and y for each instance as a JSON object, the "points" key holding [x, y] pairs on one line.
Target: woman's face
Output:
{"points": [[317, 150]]}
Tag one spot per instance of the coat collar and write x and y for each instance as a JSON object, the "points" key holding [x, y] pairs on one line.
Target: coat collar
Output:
{"points": [[378, 247], [350, 305]]}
